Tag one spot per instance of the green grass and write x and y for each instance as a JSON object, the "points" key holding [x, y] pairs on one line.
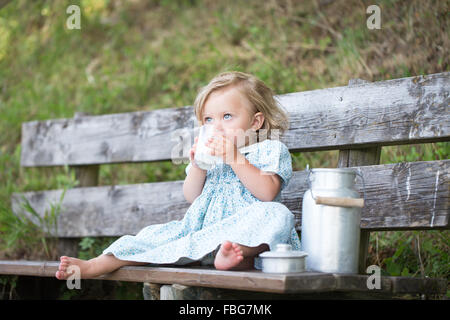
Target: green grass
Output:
{"points": [[146, 55]]}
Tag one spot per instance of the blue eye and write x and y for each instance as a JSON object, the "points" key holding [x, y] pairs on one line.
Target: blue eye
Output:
{"points": [[207, 119], [225, 116]]}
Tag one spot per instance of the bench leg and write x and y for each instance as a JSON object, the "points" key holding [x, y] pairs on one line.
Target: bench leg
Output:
{"points": [[151, 291], [363, 251], [181, 292], [178, 292]]}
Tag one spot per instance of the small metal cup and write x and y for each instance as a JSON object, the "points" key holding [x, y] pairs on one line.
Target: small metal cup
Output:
{"points": [[283, 260]]}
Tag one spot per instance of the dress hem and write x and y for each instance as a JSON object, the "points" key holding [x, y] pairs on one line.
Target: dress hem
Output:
{"points": [[191, 258]]}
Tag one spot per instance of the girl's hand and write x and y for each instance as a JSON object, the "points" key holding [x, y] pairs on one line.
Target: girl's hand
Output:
{"points": [[223, 147], [192, 154]]}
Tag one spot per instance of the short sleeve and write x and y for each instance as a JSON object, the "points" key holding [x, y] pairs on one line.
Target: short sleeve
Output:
{"points": [[188, 168], [274, 156]]}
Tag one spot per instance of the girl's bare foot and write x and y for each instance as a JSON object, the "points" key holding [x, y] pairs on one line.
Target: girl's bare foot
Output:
{"points": [[234, 256], [91, 268], [68, 266], [228, 256]]}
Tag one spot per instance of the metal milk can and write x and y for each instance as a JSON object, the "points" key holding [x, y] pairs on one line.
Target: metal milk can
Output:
{"points": [[331, 216]]}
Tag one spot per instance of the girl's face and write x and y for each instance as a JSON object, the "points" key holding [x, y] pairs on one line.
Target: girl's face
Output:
{"points": [[229, 111]]}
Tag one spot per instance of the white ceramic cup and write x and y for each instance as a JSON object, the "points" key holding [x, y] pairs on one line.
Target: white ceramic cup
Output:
{"points": [[203, 158]]}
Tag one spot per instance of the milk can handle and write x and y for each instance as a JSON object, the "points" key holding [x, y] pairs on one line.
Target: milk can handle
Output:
{"points": [[337, 200]]}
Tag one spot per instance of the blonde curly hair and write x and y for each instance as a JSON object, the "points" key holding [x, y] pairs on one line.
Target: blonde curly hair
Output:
{"points": [[257, 92]]}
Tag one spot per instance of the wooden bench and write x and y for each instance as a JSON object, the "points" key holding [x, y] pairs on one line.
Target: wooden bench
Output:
{"points": [[357, 120]]}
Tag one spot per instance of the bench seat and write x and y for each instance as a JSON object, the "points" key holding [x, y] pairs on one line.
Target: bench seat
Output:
{"points": [[305, 282]]}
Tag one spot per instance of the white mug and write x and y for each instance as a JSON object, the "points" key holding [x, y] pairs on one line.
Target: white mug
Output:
{"points": [[203, 158]]}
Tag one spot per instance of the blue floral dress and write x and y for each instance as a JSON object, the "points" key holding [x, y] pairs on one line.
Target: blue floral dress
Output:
{"points": [[225, 210]]}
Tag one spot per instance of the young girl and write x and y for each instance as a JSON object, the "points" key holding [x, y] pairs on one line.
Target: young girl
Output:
{"points": [[235, 212]]}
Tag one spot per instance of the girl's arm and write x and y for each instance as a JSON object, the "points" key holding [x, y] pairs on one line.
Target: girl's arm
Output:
{"points": [[193, 184], [195, 180], [262, 185]]}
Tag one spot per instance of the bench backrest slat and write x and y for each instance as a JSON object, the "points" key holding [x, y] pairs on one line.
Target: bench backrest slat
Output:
{"points": [[400, 111]]}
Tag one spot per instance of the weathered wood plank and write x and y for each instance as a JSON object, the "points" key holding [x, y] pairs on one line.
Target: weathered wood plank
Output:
{"points": [[399, 196], [307, 282], [110, 210], [400, 111], [252, 280]]}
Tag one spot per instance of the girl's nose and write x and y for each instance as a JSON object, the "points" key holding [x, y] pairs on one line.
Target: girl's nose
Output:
{"points": [[218, 127]]}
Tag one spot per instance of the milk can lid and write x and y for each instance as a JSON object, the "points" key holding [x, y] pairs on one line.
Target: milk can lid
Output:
{"points": [[283, 250]]}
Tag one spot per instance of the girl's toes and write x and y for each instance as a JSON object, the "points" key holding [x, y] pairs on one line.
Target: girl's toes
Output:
{"points": [[59, 275], [227, 245], [237, 249], [65, 260]]}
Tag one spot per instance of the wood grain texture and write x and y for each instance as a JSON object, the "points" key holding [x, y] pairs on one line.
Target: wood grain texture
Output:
{"points": [[412, 195], [399, 111], [307, 282], [109, 210]]}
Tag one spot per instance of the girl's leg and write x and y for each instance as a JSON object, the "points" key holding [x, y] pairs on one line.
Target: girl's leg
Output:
{"points": [[92, 268]]}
